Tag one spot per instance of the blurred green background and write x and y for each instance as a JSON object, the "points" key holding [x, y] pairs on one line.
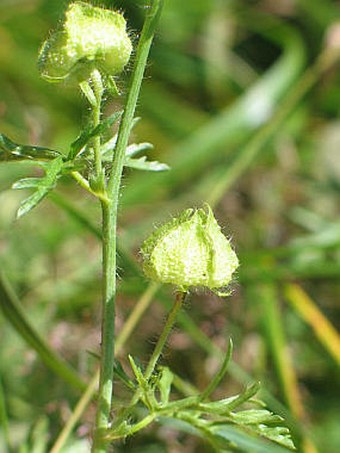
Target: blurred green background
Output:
{"points": [[242, 100]]}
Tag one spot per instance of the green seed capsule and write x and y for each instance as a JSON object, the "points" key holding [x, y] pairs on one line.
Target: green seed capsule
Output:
{"points": [[190, 251], [91, 37]]}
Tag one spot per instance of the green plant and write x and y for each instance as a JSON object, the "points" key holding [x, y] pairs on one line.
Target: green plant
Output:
{"points": [[205, 258]]}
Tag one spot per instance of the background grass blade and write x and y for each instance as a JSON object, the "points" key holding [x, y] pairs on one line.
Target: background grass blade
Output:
{"points": [[235, 123], [15, 314], [313, 316], [4, 420], [271, 322]]}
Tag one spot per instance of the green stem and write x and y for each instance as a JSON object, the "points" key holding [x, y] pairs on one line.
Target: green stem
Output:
{"points": [[130, 324], [220, 375], [108, 328], [109, 213], [142, 424], [96, 110], [85, 185], [142, 54], [180, 296]]}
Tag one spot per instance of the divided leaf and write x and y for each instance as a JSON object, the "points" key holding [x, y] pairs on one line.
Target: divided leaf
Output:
{"points": [[231, 435], [229, 428], [137, 148], [250, 421], [107, 148], [255, 416], [143, 164], [278, 434], [42, 185], [132, 150]]}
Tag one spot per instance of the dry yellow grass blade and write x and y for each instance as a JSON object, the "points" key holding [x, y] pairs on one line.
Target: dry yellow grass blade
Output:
{"points": [[312, 315]]}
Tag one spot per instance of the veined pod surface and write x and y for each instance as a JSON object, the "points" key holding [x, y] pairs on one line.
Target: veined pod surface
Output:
{"points": [[190, 251], [91, 37]]}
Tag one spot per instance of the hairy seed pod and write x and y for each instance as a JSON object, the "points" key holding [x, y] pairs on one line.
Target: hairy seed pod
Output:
{"points": [[190, 251], [91, 37]]}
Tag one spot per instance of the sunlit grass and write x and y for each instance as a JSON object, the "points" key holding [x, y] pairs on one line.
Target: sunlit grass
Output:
{"points": [[230, 141]]}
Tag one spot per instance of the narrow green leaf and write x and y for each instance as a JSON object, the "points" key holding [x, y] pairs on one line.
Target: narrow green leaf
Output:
{"points": [[27, 183], [111, 86], [120, 373], [138, 373], [221, 373], [220, 407], [227, 405], [91, 132], [31, 202], [255, 416], [11, 151], [81, 141], [88, 93], [182, 404], [248, 393], [164, 384]]}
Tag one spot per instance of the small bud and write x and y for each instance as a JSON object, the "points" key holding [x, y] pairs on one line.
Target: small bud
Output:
{"points": [[190, 251], [91, 37]]}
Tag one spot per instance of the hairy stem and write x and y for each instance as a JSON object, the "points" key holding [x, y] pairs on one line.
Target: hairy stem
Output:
{"points": [[180, 296], [109, 213], [170, 321], [98, 92]]}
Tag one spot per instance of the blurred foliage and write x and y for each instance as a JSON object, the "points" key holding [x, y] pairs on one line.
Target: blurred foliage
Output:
{"points": [[235, 101]]}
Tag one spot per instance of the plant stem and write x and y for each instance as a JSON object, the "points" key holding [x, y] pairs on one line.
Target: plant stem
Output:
{"points": [[142, 53], [85, 185], [129, 326], [109, 213], [108, 328], [96, 109], [180, 296], [220, 375]]}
